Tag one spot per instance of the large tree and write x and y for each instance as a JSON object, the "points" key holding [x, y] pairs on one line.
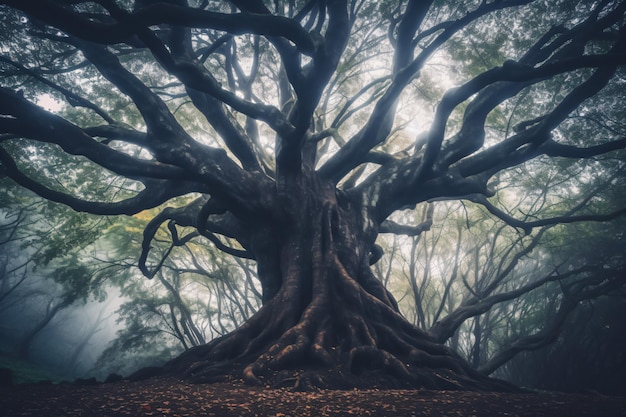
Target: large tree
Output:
{"points": [[288, 124]]}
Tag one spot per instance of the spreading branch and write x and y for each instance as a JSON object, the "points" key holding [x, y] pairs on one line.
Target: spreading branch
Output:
{"points": [[105, 31], [527, 226], [601, 282]]}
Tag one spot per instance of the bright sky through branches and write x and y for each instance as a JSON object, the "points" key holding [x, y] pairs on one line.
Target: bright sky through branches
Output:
{"points": [[49, 103]]}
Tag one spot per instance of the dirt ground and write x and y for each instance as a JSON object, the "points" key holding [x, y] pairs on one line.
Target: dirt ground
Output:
{"points": [[169, 397]]}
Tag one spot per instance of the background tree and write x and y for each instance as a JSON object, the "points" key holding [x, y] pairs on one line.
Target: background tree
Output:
{"points": [[45, 285], [198, 294], [291, 140], [491, 292]]}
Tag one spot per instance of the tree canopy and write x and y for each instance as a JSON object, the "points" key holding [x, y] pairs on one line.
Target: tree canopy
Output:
{"points": [[295, 132]]}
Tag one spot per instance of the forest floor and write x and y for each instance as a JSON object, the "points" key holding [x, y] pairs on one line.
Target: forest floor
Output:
{"points": [[169, 397]]}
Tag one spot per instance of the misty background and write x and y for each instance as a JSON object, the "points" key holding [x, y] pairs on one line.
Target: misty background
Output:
{"points": [[542, 307], [74, 305]]}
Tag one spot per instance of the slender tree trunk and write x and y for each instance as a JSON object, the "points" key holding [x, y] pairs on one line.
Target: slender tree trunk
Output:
{"points": [[26, 342], [477, 348]]}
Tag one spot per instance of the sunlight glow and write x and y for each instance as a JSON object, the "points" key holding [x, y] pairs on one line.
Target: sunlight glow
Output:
{"points": [[49, 103]]}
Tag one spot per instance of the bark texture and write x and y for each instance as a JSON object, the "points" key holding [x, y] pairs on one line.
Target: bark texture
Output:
{"points": [[331, 323], [301, 176]]}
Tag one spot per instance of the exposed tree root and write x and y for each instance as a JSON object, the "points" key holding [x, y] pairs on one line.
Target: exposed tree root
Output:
{"points": [[345, 338], [330, 326]]}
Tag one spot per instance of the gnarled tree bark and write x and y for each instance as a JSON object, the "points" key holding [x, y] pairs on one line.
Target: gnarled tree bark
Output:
{"points": [[309, 220], [330, 323]]}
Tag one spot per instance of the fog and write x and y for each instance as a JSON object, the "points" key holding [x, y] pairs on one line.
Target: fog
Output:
{"points": [[125, 321], [429, 173], [69, 345]]}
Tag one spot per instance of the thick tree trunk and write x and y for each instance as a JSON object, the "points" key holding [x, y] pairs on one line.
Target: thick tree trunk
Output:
{"points": [[326, 320]]}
